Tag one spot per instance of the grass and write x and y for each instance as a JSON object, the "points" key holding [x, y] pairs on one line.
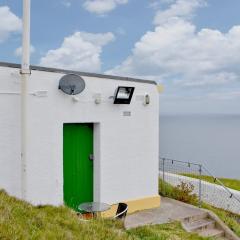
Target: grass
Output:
{"points": [[171, 231], [230, 183], [230, 219], [22, 221]]}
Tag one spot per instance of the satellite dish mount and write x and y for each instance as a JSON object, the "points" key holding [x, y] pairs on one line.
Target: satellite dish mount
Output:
{"points": [[71, 84]]}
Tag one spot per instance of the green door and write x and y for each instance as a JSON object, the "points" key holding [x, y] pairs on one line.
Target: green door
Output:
{"points": [[77, 164]]}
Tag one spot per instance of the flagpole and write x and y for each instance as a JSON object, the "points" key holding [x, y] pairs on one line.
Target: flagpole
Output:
{"points": [[25, 75]]}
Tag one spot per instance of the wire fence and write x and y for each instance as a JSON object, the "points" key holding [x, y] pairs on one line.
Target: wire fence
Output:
{"points": [[174, 172]]}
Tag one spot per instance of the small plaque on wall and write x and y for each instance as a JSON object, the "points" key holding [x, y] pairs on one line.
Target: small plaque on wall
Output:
{"points": [[127, 114]]}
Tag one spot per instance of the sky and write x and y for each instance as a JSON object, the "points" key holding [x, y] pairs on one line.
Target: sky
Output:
{"points": [[192, 47]]}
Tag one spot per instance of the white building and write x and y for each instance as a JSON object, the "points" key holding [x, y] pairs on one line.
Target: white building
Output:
{"points": [[80, 147]]}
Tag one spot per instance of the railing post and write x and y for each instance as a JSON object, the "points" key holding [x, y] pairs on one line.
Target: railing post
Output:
{"points": [[163, 184], [200, 187]]}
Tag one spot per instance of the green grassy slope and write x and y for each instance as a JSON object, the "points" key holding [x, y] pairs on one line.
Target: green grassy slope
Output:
{"points": [[19, 220], [230, 183], [22, 221]]}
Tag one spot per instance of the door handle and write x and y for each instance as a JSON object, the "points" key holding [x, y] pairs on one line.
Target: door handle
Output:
{"points": [[91, 157]]}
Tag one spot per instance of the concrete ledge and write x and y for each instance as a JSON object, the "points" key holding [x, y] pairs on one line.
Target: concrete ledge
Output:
{"points": [[228, 232], [135, 205]]}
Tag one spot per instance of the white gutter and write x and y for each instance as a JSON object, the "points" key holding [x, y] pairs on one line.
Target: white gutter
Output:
{"points": [[25, 74]]}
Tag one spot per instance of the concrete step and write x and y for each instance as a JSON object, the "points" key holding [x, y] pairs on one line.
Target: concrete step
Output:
{"points": [[194, 217], [200, 224], [214, 232]]}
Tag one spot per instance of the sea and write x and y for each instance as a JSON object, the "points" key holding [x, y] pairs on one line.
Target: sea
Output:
{"points": [[211, 140]]}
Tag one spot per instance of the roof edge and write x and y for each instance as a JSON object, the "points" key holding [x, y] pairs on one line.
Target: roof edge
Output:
{"points": [[58, 70]]}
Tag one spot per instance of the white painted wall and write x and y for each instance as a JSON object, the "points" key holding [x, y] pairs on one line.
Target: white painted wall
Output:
{"points": [[126, 148], [10, 158]]}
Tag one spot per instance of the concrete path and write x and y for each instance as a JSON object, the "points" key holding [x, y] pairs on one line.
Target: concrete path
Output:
{"points": [[169, 210], [193, 219]]}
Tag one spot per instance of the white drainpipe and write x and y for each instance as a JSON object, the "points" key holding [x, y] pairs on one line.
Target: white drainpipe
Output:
{"points": [[25, 75]]}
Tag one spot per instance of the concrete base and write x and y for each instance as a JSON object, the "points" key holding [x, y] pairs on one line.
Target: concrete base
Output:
{"points": [[169, 210], [136, 205]]}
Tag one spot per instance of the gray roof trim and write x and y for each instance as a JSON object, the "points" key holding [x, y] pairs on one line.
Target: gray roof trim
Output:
{"points": [[45, 69]]}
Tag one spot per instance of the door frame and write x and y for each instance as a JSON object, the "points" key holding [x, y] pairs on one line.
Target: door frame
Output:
{"points": [[96, 161]]}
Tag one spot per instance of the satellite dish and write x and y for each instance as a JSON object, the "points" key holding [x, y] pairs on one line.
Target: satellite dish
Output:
{"points": [[71, 84]]}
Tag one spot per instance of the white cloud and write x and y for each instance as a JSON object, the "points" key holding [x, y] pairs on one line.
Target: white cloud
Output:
{"points": [[180, 9], [9, 23], [80, 51], [102, 7], [18, 51], [175, 52]]}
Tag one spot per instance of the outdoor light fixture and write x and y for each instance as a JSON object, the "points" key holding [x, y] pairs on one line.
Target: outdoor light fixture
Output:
{"points": [[146, 99], [123, 95]]}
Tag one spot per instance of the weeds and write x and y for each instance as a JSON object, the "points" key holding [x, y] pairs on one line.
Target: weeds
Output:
{"points": [[182, 192]]}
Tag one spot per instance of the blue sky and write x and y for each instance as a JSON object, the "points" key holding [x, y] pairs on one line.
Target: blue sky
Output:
{"points": [[191, 46], [52, 21]]}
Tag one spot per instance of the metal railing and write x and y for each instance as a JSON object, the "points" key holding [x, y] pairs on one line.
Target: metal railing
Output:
{"points": [[174, 172]]}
